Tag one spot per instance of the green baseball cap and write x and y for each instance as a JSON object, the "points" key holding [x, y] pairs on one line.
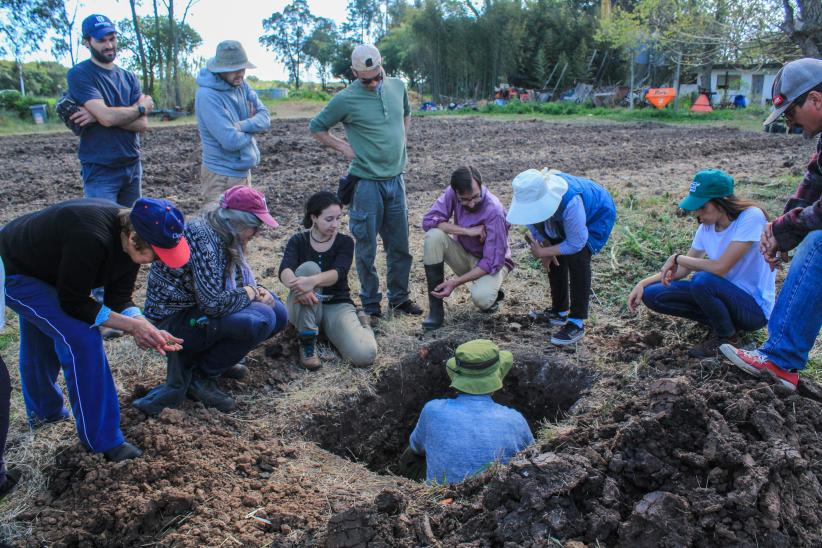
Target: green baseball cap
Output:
{"points": [[478, 367], [707, 184]]}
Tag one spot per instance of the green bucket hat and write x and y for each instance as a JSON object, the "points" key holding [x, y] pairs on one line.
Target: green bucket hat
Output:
{"points": [[478, 367], [707, 184]]}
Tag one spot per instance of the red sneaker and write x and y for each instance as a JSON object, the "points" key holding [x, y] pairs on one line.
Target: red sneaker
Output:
{"points": [[755, 363]]}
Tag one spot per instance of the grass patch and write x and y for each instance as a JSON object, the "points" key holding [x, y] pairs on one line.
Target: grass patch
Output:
{"points": [[12, 124]]}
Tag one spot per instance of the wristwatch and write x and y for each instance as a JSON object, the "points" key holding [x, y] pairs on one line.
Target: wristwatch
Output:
{"points": [[141, 109]]}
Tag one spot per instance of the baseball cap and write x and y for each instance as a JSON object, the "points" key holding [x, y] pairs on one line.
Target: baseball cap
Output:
{"points": [[707, 184], [365, 57], [97, 26], [245, 198], [161, 225], [792, 80]]}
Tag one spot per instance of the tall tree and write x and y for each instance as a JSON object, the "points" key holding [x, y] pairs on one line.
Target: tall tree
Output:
{"points": [[141, 50], [362, 14], [803, 25], [321, 46], [65, 42], [23, 25], [288, 34]]}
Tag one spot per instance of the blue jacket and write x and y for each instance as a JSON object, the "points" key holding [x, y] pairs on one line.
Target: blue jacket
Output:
{"points": [[600, 210], [227, 150]]}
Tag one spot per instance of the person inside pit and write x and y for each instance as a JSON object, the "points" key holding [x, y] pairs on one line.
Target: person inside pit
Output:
{"points": [[462, 436], [474, 245], [214, 303], [732, 288], [569, 220], [797, 316], [53, 258], [315, 268]]}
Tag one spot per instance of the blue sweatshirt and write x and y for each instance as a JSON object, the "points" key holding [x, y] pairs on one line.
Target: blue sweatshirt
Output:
{"points": [[219, 105]]}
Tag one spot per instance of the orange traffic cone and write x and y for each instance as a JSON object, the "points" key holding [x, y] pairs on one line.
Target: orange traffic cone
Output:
{"points": [[703, 104]]}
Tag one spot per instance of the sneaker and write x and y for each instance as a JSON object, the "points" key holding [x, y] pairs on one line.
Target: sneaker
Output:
{"points": [[568, 334], [407, 307], [549, 316], [709, 348], [12, 478], [209, 394], [309, 357], [754, 363], [124, 451]]}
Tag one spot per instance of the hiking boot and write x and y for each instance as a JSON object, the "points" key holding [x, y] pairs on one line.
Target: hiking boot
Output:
{"points": [[209, 394], [159, 398], [309, 357], [407, 307], [568, 334], [709, 348], [754, 363], [434, 276], [238, 371], [495, 307], [12, 479], [124, 451], [365, 319]]}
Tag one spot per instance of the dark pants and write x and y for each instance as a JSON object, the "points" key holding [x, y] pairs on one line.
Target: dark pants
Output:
{"points": [[5, 407], [708, 299], [222, 342], [574, 272]]}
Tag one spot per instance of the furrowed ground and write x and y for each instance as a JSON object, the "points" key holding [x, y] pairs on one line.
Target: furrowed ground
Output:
{"points": [[638, 444]]}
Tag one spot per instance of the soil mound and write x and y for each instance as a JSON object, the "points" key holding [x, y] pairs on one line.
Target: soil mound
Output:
{"points": [[683, 463]]}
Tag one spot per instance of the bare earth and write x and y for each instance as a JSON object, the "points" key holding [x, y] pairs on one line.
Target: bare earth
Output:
{"points": [[639, 445]]}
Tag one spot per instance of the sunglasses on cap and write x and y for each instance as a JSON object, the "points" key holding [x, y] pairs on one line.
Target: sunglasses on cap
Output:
{"points": [[367, 81]]}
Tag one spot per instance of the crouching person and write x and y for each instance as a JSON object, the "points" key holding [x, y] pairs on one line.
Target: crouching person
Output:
{"points": [[474, 245], [53, 259], [460, 437], [315, 268], [570, 220], [214, 302]]}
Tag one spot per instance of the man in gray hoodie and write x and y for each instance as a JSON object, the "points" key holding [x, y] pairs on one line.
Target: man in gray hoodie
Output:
{"points": [[229, 113]]}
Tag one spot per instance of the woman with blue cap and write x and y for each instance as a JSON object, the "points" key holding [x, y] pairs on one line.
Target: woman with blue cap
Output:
{"points": [[569, 220], [732, 288]]}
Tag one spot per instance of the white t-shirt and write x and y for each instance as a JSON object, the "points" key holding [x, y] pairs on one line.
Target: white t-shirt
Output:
{"points": [[751, 273]]}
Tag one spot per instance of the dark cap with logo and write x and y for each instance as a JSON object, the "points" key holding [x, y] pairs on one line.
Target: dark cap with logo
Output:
{"points": [[97, 26], [793, 80], [161, 225]]}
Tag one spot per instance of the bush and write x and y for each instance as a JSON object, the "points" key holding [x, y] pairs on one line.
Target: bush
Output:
{"points": [[11, 100], [309, 95]]}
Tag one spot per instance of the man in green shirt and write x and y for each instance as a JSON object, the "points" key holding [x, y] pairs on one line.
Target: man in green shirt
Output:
{"points": [[374, 111]]}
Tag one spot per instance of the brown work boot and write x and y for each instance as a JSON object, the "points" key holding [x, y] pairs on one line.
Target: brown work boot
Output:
{"points": [[309, 357], [365, 319], [709, 348]]}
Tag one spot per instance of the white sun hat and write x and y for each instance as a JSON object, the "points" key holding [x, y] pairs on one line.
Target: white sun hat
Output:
{"points": [[537, 195]]}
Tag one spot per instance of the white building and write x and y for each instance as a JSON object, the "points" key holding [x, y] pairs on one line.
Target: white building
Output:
{"points": [[753, 82]]}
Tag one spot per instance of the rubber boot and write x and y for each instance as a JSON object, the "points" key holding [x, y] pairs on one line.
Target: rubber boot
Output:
{"points": [[206, 391], [170, 394], [434, 276]]}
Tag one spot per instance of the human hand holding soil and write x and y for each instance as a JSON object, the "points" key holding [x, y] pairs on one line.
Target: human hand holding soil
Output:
{"points": [[768, 246], [147, 336], [444, 289], [635, 297]]}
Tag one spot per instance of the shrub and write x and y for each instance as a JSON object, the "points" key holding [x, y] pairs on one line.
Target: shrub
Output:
{"points": [[13, 101]]}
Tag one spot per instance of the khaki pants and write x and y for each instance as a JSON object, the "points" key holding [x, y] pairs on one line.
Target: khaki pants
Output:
{"points": [[338, 321], [440, 247], [213, 185]]}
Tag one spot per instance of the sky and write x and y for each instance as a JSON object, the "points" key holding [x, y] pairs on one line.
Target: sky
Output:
{"points": [[218, 20]]}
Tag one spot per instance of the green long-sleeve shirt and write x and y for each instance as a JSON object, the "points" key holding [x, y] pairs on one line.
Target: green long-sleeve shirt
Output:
{"points": [[374, 124]]}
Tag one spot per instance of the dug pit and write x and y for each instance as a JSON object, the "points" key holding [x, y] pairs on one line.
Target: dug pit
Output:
{"points": [[372, 425]]}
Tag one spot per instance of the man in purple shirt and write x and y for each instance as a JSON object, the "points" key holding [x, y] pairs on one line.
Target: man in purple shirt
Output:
{"points": [[475, 245]]}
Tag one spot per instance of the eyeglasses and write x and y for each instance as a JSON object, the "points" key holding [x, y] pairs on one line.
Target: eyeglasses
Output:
{"points": [[797, 103], [367, 81]]}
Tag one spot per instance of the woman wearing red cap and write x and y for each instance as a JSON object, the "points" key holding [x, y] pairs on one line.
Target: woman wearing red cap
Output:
{"points": [[214, 303], [53, 259]]}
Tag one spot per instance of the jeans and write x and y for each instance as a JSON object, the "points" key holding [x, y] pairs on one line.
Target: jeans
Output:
{"points": [[5, 407], [379, 207], [797, 314], [117, 184], [574, 273], [708, 299], [219, 343]]}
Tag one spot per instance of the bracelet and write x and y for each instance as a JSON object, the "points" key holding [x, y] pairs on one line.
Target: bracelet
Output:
{"points": [[676, 259]]}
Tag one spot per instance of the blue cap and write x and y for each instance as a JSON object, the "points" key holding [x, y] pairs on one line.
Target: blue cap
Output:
{"points": [[97, 26], [161, 225]]}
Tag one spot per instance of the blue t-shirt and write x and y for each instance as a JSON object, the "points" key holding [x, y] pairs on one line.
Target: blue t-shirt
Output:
{"points": [[108, 146], [462, 436]]}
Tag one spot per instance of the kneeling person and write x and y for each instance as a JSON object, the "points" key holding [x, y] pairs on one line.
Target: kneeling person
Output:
{"points": [[460, 437], [215, 303], [315, 268], [474, 245]]}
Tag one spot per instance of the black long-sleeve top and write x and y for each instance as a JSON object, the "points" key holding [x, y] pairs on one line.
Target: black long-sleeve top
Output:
{"points": [[338, 257], [74, 246]]}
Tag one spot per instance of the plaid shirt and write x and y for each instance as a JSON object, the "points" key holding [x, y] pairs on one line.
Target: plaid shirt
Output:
{"points": [[803, 212]]}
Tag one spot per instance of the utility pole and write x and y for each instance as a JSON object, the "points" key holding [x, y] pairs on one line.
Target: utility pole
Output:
{"points": [[676, 79], [631, 91]]}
